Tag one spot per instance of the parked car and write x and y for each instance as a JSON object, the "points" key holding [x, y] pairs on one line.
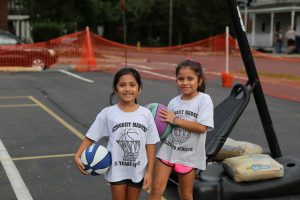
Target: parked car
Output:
{"points": [[14, 52]]}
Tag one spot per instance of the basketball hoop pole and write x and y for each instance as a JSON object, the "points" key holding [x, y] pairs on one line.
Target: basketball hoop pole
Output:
{"points": [[254, 79]]}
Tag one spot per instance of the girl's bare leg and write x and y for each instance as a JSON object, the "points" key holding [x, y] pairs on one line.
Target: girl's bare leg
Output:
{"points": [[186, 182], [118, 192], [133, 193], [161, 176]]}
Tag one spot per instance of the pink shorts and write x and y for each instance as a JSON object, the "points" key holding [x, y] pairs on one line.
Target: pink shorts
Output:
{"points": [[182, 169]]}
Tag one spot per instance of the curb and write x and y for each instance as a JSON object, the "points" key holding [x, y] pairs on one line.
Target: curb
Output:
{"points": [[20, 69]]}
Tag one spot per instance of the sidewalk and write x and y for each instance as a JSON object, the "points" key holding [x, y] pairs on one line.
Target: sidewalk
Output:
{"points": [[278, 88]]}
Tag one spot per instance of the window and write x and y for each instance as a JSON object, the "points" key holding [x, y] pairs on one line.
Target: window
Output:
{"points": [[277, 26], [263, 27], [6, 40]]}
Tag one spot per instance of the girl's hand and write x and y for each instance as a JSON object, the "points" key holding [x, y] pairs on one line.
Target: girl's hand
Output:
{"points": [[147, 181], [167, 116], [80, 166], [84, 144]]}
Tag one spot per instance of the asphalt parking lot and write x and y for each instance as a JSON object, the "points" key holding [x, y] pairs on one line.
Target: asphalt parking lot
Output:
{"points": [[44, 116]]}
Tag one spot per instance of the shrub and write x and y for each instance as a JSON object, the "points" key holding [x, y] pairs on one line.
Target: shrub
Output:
{"points": [[44, 31]]}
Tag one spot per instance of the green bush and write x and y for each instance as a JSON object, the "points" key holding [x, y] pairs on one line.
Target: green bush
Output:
{"points": [[44, 31]]}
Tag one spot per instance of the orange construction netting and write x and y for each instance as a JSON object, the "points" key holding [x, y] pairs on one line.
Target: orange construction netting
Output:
{"points": [[87, 51]]}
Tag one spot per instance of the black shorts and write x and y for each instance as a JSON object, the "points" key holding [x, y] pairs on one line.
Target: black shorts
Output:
{"points": [[291, 42], [129, 182]]}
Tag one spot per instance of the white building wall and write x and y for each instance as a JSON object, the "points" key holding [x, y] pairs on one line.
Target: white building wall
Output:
{"points": [[265, 2]]}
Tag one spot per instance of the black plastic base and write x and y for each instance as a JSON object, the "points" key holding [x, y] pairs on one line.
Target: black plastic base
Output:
{"points": [[214, 184]]}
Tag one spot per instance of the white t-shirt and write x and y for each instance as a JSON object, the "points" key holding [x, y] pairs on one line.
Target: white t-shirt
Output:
{"points": [[128, 132], [290, 34], [182, 146]]}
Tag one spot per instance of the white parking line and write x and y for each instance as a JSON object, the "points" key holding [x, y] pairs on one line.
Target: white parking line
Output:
{"points": [[13, 175], [143, 68], [139, 66], [166, 63], [157, 74], [76, 76]]}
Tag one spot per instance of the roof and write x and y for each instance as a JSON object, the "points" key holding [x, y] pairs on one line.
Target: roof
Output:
{"points": [[275, 7]]}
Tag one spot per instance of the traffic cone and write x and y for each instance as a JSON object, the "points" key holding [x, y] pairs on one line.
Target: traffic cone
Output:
{"points": [[227, 79], [87, 61]]}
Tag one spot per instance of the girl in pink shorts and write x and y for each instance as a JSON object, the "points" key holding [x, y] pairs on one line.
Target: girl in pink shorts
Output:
{"points": [[191, 114]]}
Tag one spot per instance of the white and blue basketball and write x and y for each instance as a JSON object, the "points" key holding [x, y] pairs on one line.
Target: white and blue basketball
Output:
{"points": [[96, 159]]}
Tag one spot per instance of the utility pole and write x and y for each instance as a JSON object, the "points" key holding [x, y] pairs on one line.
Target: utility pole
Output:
{"points": [[3, 14], [170, 22], [123, 9]]}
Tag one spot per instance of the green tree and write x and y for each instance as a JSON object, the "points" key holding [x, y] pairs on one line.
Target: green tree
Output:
{"points": [[198, 19], [147, 20]]}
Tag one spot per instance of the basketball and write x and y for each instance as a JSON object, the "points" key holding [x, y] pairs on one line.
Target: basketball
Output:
{"points": [[96, 159], [163, 128]]}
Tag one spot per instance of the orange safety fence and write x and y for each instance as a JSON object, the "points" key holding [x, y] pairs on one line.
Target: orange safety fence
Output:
{"points": [[33, 55], [87, 51]]}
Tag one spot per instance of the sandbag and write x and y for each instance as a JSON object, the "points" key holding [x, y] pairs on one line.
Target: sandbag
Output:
{"points": [[232, 148], [253, 167]]}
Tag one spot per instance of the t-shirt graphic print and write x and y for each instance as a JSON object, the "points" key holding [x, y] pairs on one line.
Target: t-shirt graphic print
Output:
{"points": [[130, 144]]}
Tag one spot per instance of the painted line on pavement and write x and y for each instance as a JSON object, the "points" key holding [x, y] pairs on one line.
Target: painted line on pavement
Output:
{"points": [[142, 68], [13, 175], [166, 63], [59, 119], [18, 105], [76, 76], [139, 66], [219, 74], [45, 108], [14, 97], [157, 74], [39, 157]]}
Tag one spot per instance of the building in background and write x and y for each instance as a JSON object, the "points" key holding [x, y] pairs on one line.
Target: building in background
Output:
{"points": [[18, 20], [265, 17]]}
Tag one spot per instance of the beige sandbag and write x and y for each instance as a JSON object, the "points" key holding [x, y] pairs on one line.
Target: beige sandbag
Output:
{"points": [[232, 148], [253, 167]]}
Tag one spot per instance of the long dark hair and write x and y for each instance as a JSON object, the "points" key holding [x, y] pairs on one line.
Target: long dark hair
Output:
{"points": [[197, 68], [119, 74]]}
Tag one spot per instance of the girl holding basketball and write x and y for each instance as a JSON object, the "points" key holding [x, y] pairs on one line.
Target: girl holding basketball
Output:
{"points": [[191, 114], [132, 136]]}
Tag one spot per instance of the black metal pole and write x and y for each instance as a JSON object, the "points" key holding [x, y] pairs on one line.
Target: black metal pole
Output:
{"points": [[254, 79]]}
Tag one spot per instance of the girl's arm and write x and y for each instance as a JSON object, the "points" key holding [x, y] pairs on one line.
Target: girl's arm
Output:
{"points": [[183, 123], [150, 149], [189, 125], [85, 143]]}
